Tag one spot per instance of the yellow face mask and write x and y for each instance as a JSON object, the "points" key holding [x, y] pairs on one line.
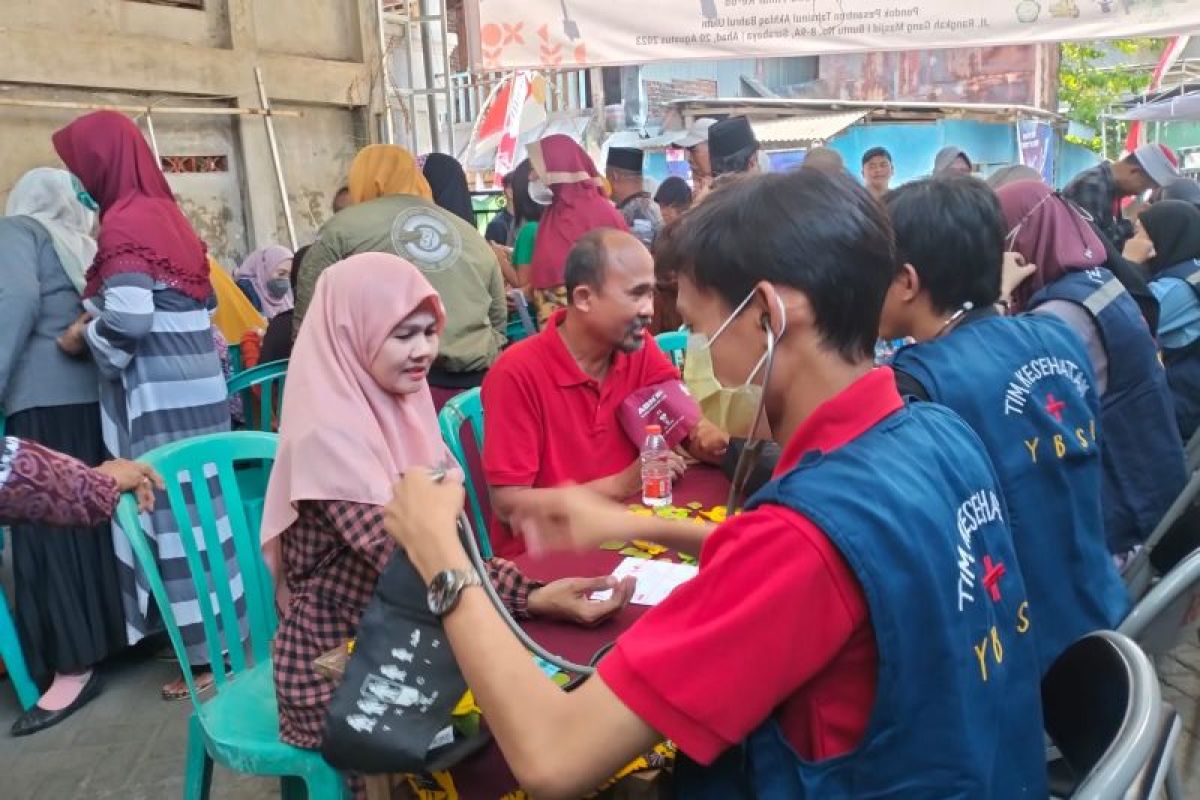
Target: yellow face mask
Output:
{"points": [[731, 410]]}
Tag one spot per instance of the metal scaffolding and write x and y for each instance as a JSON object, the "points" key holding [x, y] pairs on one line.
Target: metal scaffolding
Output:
{"points": [[426, 22]]}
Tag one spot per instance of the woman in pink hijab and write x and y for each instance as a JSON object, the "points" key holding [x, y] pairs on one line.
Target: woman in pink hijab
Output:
{"points": [[267, 274], [358, 413]]}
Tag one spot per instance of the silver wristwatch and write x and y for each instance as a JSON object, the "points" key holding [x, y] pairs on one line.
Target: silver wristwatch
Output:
{"points": [[446, 588]]}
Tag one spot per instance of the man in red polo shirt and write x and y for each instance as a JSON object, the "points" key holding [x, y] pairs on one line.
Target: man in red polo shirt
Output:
{"points": [[551, 403], [857, 631]]}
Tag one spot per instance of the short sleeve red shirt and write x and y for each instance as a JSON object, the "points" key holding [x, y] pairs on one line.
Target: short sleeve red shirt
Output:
{"points": [[775, 623], [547, 423]]}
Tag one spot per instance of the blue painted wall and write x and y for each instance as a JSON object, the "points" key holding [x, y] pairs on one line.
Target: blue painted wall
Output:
{"points": [[1072, 160], [914, 145]]}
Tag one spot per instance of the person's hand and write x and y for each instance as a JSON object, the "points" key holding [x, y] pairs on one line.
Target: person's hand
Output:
{"points": [[73, 341], [1139, 249], [630, 479], [1015, 272], [569, 599], [503, 254], [570, 518], [141, 479], [422, 517], [707, 442]]}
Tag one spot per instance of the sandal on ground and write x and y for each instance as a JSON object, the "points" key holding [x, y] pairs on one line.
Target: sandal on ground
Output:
{"points": [[178, 689]]}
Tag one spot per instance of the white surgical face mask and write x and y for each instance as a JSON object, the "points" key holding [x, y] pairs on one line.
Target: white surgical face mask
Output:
{"points": [[540, 193]]}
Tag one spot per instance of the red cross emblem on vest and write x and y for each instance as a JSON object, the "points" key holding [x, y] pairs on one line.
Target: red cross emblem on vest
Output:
{"points": [[992, 573], [1055, 407]]}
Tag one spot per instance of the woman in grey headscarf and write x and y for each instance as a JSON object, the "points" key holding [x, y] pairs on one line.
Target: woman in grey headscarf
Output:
{"points": [[68, 608], [1012, 174], [952, 161]]}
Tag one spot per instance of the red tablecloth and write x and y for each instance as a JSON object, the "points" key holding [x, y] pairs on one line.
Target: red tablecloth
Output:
{"points": [[486, 776]]}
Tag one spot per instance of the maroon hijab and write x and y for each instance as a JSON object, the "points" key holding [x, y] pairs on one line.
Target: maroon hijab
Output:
{"points": [[579, 206], [1048, 232], [141, 226]]}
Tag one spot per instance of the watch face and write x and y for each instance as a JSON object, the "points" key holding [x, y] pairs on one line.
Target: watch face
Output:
{"points": [[443, 592]]}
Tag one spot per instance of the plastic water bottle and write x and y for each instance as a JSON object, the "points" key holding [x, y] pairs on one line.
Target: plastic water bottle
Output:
{"points": [[656, 469]]}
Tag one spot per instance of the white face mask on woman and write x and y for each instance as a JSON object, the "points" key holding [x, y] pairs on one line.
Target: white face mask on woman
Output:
{"points": [[540, 193]]}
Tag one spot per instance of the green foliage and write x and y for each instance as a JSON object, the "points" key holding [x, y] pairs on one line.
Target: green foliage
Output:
{"points": [[1086, 90]]}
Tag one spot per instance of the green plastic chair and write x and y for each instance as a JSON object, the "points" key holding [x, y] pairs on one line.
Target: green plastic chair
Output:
{"points": [[674, 344], [10, 643], [236, 364], [238, 727], [521, 323], [269, 379], [464, 409]]}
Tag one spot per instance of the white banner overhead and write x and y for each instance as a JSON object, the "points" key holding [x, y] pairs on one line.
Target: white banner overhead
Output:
{"points": [[573, 33]]}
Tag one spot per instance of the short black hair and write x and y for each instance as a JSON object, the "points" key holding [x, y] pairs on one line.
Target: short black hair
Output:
{"points": [[586, 262], [819, 233], [951, 229], [738, 161], [674, 192], [876, 151], [507, 180]]}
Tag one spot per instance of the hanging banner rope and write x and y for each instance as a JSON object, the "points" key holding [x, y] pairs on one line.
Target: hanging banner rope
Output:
{"points": [[572, 33]]}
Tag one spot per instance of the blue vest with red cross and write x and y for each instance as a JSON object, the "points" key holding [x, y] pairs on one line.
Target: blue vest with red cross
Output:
{"points": [[1183, 364], [1025, 385], [916, 510], [1142, 453]]}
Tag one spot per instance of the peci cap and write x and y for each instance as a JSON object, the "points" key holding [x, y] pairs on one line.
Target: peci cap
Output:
{"points": [[629, 159], [697, 134], [1159, 162], [729, 136]]}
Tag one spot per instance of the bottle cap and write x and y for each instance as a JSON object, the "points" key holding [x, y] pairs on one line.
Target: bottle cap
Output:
{"points": [[654, 429]]}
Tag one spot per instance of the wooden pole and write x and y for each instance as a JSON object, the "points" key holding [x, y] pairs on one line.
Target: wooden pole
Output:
{"points": [[270, 125], [16, 102]]}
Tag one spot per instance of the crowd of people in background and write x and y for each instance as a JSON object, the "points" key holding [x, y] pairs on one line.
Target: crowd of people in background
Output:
{"points": [[951, 348]]}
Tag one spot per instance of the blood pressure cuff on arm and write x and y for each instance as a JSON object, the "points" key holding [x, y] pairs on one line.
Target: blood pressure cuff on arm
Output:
{"points": [[668, 405]]}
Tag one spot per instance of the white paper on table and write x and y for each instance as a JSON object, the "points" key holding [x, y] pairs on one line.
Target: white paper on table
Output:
{"points": [[655, 579]]}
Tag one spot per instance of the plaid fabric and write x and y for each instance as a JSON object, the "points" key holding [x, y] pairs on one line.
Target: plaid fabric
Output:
{"points": [[332, 557], [1095, 191]]}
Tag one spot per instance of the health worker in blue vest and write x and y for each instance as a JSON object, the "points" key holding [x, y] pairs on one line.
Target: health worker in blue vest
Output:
{"points": [[860, 630], [1024, 384], [1167, 242], [1142, 455]]}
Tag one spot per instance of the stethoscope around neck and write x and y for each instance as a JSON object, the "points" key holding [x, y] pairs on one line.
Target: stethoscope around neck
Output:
{"points": [[747, 461]]}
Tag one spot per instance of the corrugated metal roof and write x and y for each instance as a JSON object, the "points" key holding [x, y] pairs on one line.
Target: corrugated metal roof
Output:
{"points": [[807, 128]]}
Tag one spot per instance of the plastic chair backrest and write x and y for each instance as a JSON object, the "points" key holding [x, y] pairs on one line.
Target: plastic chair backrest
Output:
{"points": [[1139, 573], [1172, 608], [235, 358], [1104, 712], [1193, 452], [269, 379], [674, 344], [193, 459], [526, 326], [467, 409]]}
